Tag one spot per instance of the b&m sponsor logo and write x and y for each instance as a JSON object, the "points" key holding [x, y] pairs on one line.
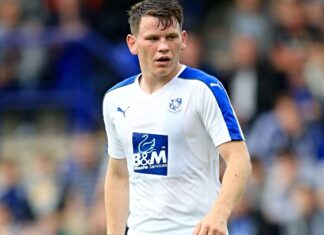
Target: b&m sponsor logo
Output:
{"points": [[150, 152]]}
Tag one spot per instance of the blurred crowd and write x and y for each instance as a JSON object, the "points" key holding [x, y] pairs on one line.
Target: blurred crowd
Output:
{"points": [[60, 57]]}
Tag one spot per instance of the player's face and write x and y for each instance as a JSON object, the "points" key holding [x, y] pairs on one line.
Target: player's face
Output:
{"points": [[158, 49]]}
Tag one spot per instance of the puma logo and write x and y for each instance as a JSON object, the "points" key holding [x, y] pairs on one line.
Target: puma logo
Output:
{"points": [[119, 109], [215, 84]]}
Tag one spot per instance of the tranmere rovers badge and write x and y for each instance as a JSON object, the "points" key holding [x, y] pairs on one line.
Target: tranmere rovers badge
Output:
{"points": [[175, 105]]}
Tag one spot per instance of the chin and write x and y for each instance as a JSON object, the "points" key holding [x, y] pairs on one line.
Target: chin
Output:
{"points": [[162, 72]]}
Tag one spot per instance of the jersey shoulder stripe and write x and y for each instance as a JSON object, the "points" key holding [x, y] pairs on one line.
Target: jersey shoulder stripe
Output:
{"points": [[123, 83], [221, 96]]}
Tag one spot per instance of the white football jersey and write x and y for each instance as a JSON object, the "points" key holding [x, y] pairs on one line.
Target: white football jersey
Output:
{"points": [[170, 140]]}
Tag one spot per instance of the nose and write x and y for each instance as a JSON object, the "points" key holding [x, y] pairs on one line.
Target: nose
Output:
{"points": [[163, 45]]}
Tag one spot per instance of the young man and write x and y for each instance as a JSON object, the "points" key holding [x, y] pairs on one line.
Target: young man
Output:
{"points": [[166, 128]]}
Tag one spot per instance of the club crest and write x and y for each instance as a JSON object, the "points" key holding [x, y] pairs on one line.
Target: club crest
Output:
{"points": [[175, 105]]}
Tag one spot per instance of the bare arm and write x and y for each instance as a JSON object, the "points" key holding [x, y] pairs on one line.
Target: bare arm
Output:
{"points": [[238, 170], [117, 196]]}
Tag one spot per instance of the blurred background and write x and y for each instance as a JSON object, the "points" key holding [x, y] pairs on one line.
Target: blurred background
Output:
{"points": [[59, 57]]}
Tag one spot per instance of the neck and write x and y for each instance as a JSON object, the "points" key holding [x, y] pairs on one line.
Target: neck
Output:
{"points": [[151, 83]]}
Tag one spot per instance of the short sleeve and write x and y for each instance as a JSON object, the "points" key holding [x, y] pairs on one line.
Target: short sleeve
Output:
{"points": [[217, 114], [115, 149]]}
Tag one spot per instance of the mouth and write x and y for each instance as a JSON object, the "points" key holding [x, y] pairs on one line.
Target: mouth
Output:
{"points": [[163, 60]]}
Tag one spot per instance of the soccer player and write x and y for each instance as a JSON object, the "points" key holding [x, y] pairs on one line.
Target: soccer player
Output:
{"points": [[166, 128]]}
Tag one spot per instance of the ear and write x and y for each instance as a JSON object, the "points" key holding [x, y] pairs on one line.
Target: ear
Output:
{"points": [[131, 43], [184, 36]]}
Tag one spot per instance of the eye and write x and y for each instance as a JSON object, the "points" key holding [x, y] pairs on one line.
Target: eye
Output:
{"points": [[171, 37], [152, 39]]}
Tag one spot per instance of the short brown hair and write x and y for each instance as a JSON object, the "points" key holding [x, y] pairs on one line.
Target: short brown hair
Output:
{"points": [[164, 10]]}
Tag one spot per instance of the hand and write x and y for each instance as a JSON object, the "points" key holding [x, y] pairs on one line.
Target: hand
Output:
{"points": [[212, 224]]}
